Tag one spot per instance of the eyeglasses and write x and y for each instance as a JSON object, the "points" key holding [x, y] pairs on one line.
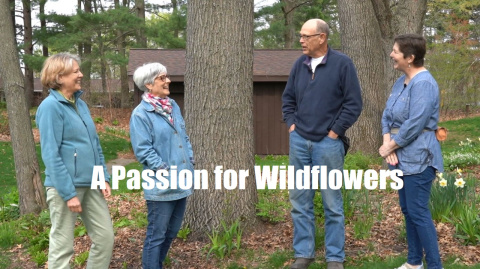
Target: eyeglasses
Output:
{"points": [[163, 77], [306, 37]]}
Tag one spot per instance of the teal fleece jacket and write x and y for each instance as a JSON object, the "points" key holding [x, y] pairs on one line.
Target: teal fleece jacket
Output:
{"points": [[69, 143]]}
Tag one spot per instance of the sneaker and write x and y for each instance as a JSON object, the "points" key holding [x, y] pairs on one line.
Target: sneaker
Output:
{"points": [[334, 265], [301, 263], [408, 266]]}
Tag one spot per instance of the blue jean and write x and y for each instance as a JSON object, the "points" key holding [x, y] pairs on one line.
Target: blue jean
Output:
{"points": [[421, 233], [164, 221], [328, 152]]}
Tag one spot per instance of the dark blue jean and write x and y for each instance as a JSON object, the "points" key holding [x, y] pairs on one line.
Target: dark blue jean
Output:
{"points": [[421, 233], [164, 222]]}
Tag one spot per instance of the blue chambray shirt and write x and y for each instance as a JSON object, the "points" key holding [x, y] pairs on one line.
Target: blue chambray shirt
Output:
{"points": [[159, 144], [413, 109]]}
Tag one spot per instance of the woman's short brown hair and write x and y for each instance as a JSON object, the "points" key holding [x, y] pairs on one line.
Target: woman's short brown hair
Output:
{"points": [[55, 65], [412, 44]]}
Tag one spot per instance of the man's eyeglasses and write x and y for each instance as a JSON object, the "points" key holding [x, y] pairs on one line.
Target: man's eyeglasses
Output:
{"points": [[306, 37], [163, 77]]}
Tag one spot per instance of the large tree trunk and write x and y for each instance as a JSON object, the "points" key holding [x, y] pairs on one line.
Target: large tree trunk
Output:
{"points": [[367, 32], [288, 10], [30, 188], [28, 49], [218, 104], [43, 26], [140, 33], [86, 57], [125, 95]]}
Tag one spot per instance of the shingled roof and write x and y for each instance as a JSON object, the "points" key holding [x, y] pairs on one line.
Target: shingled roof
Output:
{"points": [[268, 65]]}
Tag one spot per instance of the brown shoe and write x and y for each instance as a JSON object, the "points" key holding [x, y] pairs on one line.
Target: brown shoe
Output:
{"points": [[301, 263], [334, 265]]}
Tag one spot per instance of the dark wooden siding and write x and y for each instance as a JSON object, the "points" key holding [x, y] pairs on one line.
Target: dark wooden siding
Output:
{"points": [[271, 135]]}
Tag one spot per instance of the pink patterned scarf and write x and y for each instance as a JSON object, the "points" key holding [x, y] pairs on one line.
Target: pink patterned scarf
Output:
{"points": [[163, 106]]}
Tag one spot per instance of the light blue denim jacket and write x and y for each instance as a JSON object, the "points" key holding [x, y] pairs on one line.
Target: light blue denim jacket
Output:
{"points": [[414, 109], [69, 143], [159, 144]]}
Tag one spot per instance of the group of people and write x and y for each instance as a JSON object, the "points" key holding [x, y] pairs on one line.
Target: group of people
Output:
{"points": [[321, 100]]}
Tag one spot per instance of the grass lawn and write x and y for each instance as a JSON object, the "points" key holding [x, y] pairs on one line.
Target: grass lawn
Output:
{"points": [[460, 130]]}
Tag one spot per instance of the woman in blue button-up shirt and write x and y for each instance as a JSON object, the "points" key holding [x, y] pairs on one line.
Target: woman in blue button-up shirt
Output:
{"points": [[409, 122], [160, 142]]}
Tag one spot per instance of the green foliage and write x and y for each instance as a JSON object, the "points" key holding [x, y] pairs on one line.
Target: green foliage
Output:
{"points": [[467, 225], [270, 23], [40, 258], [8, 237], [116, 131], [98, 120], [277, 259], [448, 201], [466, 154], [271, 160], [168, 30], [453, 35], [364, 219], [80, 231], [361, 161], [115, 123], [223, 242], [111, 145], [184, 232], [460, 130], [81, 258], [272, 205], [9, 205]]}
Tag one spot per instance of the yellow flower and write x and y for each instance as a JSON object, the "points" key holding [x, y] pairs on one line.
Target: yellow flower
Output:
{"points": [[459, 182], [459, 171], [443, 182]]}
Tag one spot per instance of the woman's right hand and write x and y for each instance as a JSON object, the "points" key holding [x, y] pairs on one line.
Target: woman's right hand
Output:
{"points": [[392, 159], [74, 205]]}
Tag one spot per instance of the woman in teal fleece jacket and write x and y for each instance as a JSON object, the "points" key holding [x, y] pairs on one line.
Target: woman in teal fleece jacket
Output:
{"points": [[70, 149]]}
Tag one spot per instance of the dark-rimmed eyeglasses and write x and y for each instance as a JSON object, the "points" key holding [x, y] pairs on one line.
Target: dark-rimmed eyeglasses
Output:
{"points": [[163, 77], [306, 37]]}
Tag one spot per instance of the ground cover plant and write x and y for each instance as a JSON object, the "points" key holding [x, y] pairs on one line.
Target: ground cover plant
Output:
{"points": [[375, 234]]}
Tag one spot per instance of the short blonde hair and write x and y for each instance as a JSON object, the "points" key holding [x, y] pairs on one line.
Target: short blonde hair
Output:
{"points": [[55, 65]]}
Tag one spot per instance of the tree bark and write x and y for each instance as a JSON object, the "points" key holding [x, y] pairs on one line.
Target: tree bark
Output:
{"points": [[288, 12], [125, 95], [367, 26], [43, 26], [29, 184], [140, 33], [218, 105], [86, 57], [28, 50]]}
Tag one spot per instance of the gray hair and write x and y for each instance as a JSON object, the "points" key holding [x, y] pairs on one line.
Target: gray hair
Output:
{"points": [[322, 27], [147, 73]]}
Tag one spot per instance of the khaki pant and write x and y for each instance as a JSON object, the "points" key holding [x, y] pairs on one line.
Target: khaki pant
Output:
{"points": [[96, 218]]}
